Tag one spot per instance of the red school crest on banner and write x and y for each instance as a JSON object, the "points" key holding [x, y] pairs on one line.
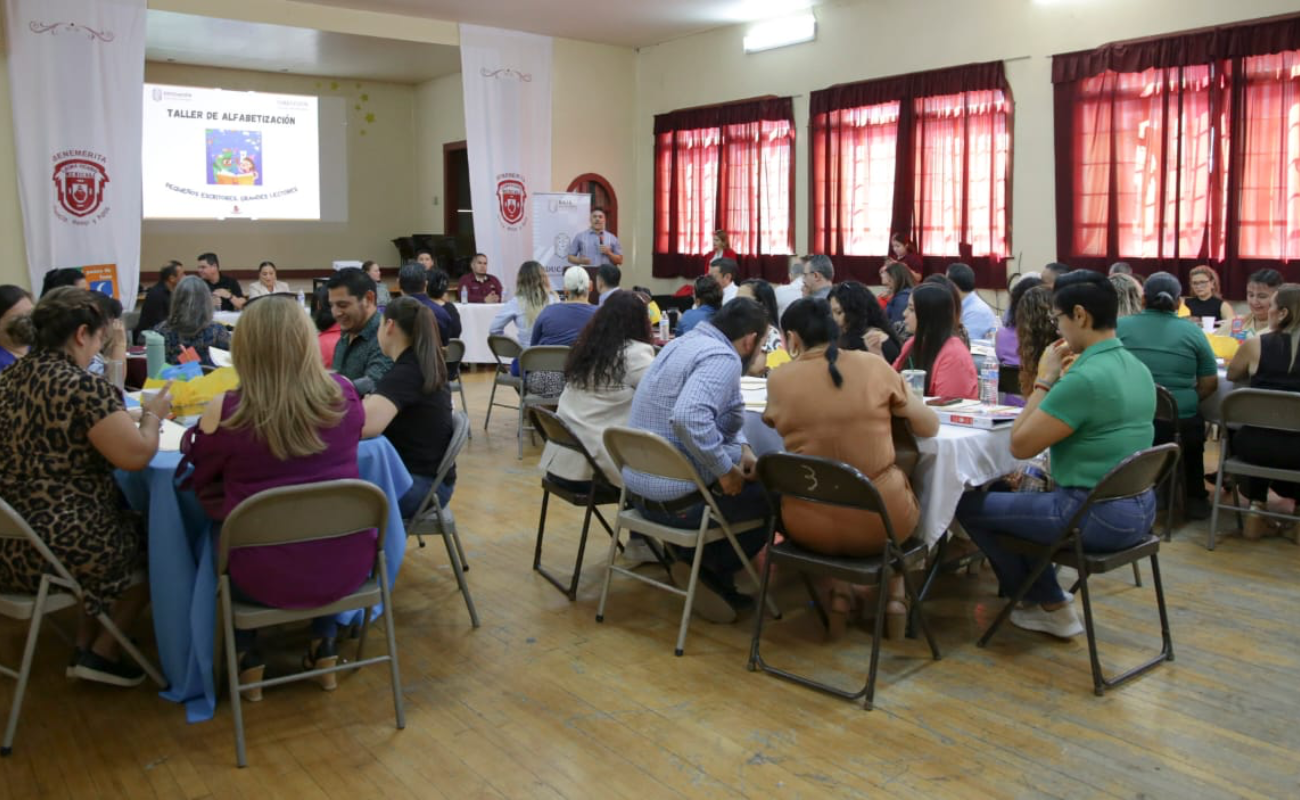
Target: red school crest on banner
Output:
{"points": [[511, 195], [81, 185]]}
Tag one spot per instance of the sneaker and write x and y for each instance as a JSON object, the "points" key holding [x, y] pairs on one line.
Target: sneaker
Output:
{"points": [[94, 667], [636, 552], [1062, 623], [709, 604]]}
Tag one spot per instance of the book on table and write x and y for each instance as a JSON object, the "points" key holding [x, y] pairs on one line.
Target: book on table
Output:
{"points": [[974, 414]]}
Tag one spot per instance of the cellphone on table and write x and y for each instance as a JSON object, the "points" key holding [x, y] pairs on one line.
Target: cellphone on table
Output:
{"points": [[944, 401]]}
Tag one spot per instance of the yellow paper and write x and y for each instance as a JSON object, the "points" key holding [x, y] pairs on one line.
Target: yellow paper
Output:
{"points": [[191, 397], [1224, 347]]}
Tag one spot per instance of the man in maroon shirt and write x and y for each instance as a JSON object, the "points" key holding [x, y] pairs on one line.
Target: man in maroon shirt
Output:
{"points": [[478, 286]]}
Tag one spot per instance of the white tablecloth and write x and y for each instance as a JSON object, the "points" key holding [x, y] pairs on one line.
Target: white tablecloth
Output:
{"points": [[475, 320], [228, 318], [959, 458]]}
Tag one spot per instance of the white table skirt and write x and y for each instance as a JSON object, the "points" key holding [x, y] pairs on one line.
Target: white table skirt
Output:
{"points": [[958, 459], [475, 321]]}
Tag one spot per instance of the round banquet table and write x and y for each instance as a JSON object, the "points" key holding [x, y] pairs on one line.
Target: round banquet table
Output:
{"points": [[182, 566], [957, 459]]}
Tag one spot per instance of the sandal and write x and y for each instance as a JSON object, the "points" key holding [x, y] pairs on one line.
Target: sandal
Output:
{"points": [[322, 654]]}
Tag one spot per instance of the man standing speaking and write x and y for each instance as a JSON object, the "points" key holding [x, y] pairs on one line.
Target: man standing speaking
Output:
{"points": [[595, 246]]}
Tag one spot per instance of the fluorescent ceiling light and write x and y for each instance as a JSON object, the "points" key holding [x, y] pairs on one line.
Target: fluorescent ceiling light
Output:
{"points": [[781, 32]]}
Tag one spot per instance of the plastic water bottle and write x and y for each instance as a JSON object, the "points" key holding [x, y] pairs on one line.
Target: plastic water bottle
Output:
{"points": [[1035, 474], [989, 380], [664, 330], [464, 295], [302, 300]]}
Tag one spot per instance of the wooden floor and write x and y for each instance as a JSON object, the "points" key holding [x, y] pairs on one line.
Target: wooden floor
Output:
{"points": [[544, 702]]}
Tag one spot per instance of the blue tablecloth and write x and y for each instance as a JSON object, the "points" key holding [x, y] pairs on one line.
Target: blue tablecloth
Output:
{"points": [[182, 566]]}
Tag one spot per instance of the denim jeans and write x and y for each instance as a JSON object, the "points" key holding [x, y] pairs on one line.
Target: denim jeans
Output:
{"points": [[410, 502], [720, 559], [1040, 517]]}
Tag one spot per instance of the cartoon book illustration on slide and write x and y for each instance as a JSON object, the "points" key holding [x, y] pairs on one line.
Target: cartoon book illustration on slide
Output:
{"points": [[234, 157]]}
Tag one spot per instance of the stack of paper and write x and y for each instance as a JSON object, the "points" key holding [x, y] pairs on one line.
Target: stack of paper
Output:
{"points": [[974, 414], [754, 392]]}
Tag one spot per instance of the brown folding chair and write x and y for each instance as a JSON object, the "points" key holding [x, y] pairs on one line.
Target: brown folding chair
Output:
{"points": [[504, 350], [821, 480], [305, 513], [543, 358], [1258, 408], [653, 455], [58, 590], [1137, 474], [454, 354]]}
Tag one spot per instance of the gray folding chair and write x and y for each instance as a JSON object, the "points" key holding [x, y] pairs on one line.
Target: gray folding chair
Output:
{"points": [[1258, 408], [504, 350], [1167, 412], [431, 519], [1138, 473], [653, 455], [305, 513], [543, 358], [821, 480], [58, 590], [454, 353]]}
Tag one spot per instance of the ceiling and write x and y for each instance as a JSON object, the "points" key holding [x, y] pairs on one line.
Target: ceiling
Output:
{"points": [[210, 42], [627, 23]]}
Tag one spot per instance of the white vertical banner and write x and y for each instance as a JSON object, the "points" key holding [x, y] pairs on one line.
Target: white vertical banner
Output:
{"points": [[76, 74], [557, 216], [507, 82]]}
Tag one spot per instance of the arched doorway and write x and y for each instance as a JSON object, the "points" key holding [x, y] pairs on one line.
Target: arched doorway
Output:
{"points": [[602, 195]]}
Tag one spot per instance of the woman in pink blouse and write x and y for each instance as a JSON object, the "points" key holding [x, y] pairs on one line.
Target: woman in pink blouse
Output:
{"points": [[290, 422], [949, 368]]}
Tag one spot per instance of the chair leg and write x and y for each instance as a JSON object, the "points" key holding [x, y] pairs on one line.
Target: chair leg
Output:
{"points": [[452, 540], [916, 613], [390, 630], [811, 589], [1214, 506], [1165, 635], [1098, 683], [1005, 613], [492, 400], [690, 589], [749, 568], [232, 669], [541, 531], [133, 651], [609, 571], [361, 638], [1137, 575], [464, 406], [25, 670], [582, 550], [755, 658], [460, 551], [519, 432], [1174, 483], [877, 635]]}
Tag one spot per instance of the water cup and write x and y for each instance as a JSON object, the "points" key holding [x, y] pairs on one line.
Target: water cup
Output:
{"points": [[915, 379], [1207, 324]]}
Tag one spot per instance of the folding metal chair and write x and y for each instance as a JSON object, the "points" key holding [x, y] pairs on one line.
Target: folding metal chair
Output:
{"points": [[821, 480], [454, 354], [1167, 412], [294, 514], [431, 519], [1136, 474], [505, 350], [58, 590], [1258, 408], [543, 358], [653, 455]]}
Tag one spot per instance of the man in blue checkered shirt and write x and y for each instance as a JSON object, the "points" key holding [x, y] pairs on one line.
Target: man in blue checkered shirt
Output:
{"points": [[691, 397]]}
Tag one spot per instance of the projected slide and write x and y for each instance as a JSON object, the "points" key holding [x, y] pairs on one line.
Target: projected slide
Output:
{"points": [[213, 154]]}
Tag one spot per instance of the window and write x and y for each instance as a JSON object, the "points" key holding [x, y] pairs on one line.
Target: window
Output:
{"points": [[726, 168], [926, 155], [1182, 150]]}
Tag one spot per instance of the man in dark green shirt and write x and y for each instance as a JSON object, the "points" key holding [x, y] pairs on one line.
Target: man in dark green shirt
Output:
{"points": [[357, 355]]}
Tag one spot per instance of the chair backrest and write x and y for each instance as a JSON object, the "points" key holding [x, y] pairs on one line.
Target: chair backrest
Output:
{"points": [[820, 480], [304, 513], [1166, 405], [503, 347], [906, 451], [454, 352], [459, 435], [557, 432], [1261, 408], [650, 454], [544, 358], [1134, 475], [13, 526]]}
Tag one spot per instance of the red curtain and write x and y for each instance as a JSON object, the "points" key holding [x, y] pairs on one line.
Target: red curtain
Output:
{"points": [[926, 154], [1182, 150], [725, 168]]}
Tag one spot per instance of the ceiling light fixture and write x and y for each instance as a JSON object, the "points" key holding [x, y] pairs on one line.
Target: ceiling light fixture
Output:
{"points": [[782, 32]]}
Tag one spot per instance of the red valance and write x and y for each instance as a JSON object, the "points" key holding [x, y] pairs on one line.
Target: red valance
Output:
{"points": [[951, 80], [1255, 38], [741, 112]]}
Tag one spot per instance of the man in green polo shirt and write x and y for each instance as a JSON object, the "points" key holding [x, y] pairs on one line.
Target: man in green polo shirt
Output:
{"points": [[357, 356], [1181, 360], [1092, 414]]}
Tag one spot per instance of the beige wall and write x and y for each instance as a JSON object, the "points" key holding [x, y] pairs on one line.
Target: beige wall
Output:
{"points": [[381, 183], [888, 37], [592, 128], [13, 256]]}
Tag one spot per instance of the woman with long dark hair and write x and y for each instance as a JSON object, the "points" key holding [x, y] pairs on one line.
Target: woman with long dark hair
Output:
{"points": [[898, 282], [862, 321], [949, 368], [839, 404], [411, 402], [1005, 341], [603, 370], [15, 302]]}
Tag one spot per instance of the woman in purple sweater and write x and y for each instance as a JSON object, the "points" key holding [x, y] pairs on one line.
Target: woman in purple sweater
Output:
{"points": [[290, 422]]}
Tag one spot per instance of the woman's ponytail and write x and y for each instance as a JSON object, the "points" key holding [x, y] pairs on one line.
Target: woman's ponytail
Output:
{"points": [[416, 320]]}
